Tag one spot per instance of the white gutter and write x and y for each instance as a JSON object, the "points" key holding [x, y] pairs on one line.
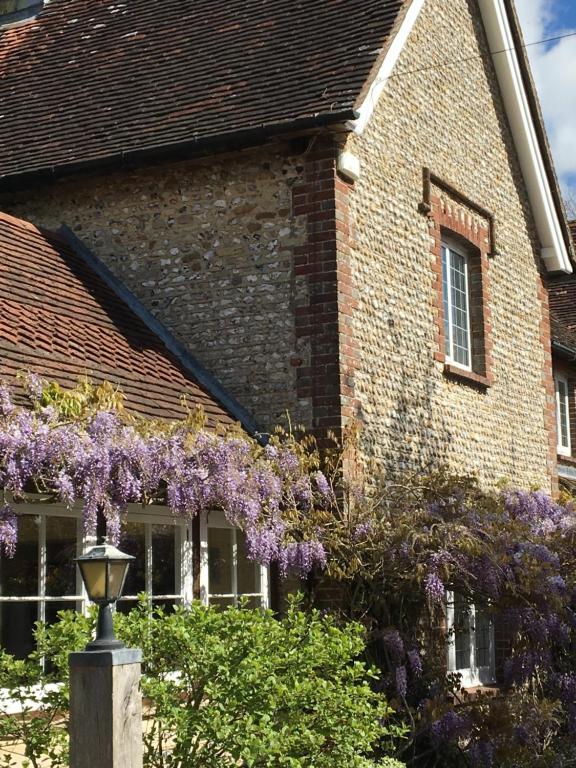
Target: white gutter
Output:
{"points": [[554, 251]]}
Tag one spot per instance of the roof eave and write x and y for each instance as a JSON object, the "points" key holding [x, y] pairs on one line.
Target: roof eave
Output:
{"points": [[193, 147], [563, 350], [527, 126]]}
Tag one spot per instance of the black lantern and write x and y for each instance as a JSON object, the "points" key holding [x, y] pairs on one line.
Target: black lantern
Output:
{"points": [[103, 569]]}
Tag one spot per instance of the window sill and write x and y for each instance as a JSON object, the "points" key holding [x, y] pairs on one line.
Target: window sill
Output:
{"points": [[473, 692], [564, 459], [455, 372]]}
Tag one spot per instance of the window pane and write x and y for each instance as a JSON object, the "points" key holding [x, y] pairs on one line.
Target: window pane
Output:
{"points": [[563, 414], [220, 560], [163, 560], [133, 542], [19, 577], [17, 626], [482, 623], [19, 574], [248, 571], [60, 554], [459, 301], [462, 633], [222, 602], [446, 301]]}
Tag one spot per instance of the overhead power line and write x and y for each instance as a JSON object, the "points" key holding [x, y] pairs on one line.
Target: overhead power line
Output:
{"points": [[453, 62]]}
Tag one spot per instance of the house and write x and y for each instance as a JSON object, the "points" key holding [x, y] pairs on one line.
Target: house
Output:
{"points": [[563, 314], [346, 209]]}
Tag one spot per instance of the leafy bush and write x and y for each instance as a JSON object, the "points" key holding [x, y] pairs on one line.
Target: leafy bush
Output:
{"points": [[227, 688]]}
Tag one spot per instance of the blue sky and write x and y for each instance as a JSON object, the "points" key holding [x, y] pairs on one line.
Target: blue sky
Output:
{"points": [[554, 67]]}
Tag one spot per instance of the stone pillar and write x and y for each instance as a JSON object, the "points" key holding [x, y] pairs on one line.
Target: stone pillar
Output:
{"points": [[106, 709]]}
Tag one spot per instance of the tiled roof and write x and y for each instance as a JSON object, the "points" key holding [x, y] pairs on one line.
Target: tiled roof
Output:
{"points": [[62, 321], [94, 79]]}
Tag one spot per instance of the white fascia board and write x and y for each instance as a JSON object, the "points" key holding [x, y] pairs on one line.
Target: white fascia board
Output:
{"points": [[367, 107], [554, 251]]}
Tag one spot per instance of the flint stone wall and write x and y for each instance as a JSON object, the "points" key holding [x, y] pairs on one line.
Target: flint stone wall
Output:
{"points": [[208, 248], [450, 119]]}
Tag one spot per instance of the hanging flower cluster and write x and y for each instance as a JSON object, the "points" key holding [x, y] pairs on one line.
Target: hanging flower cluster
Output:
{"points": [[105, 462]]}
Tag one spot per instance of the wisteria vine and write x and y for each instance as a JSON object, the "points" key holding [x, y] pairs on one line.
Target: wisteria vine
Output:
{"points": [[104, 463]]}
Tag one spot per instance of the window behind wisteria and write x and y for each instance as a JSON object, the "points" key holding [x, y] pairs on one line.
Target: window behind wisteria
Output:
{"points": [[563, 415], [42, 579], [471, 651]]}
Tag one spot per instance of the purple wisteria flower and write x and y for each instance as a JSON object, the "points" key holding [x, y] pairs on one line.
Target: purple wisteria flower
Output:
{"points": [[415, 663], [434, 587], [8, 530], [449, 727], [302, 557], [6, 404], [394, 643], [323, 487], [363, 530], [482, 754], [401, 681]]}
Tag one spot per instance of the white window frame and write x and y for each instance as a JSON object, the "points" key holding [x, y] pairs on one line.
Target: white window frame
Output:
{"points": [[472, 676], [183, 551], [563, 449], [41, 513], [150, 516], [453, 248], [217, 519]]}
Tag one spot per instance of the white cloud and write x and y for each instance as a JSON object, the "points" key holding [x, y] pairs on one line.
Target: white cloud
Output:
{"points": [[554, 67]]}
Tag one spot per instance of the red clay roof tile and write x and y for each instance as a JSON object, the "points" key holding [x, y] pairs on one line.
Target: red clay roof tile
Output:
{"points": [[60, 320], [88, 80]]}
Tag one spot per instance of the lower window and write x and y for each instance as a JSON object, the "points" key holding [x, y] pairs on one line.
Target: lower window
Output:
{"points": [[471, 651], [42, 578]]}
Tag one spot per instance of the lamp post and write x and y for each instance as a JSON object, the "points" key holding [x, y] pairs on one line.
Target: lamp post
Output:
{"points": [[105, 699], [103, 569]]}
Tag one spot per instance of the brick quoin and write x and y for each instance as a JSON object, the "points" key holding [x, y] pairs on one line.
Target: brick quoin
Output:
{"points": [[324, 316]]}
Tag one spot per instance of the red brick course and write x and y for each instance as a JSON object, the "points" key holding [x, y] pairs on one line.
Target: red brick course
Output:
{"points": [[548, 379], [325, 315]]}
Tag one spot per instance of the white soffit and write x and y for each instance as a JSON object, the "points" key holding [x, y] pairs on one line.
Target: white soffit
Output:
{"points": [[554, 251], [378, 84]]}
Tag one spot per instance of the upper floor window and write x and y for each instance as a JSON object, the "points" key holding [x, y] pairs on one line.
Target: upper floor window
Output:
{"points": [[563, 415], [456, 305], [12, 11], [471, 651]]}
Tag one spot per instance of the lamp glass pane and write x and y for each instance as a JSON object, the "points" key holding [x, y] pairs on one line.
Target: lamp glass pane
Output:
{"points": [[94, 575], [117, 572]]}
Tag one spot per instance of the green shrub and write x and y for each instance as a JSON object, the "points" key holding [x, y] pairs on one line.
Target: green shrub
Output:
{"points": [[255, 691], [224, 688]]}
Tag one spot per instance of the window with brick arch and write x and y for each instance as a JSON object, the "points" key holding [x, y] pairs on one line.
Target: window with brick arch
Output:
{"points": [[463, 308]]}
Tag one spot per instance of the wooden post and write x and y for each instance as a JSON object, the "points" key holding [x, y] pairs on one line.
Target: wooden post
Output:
{"points": [[106, 709]]}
